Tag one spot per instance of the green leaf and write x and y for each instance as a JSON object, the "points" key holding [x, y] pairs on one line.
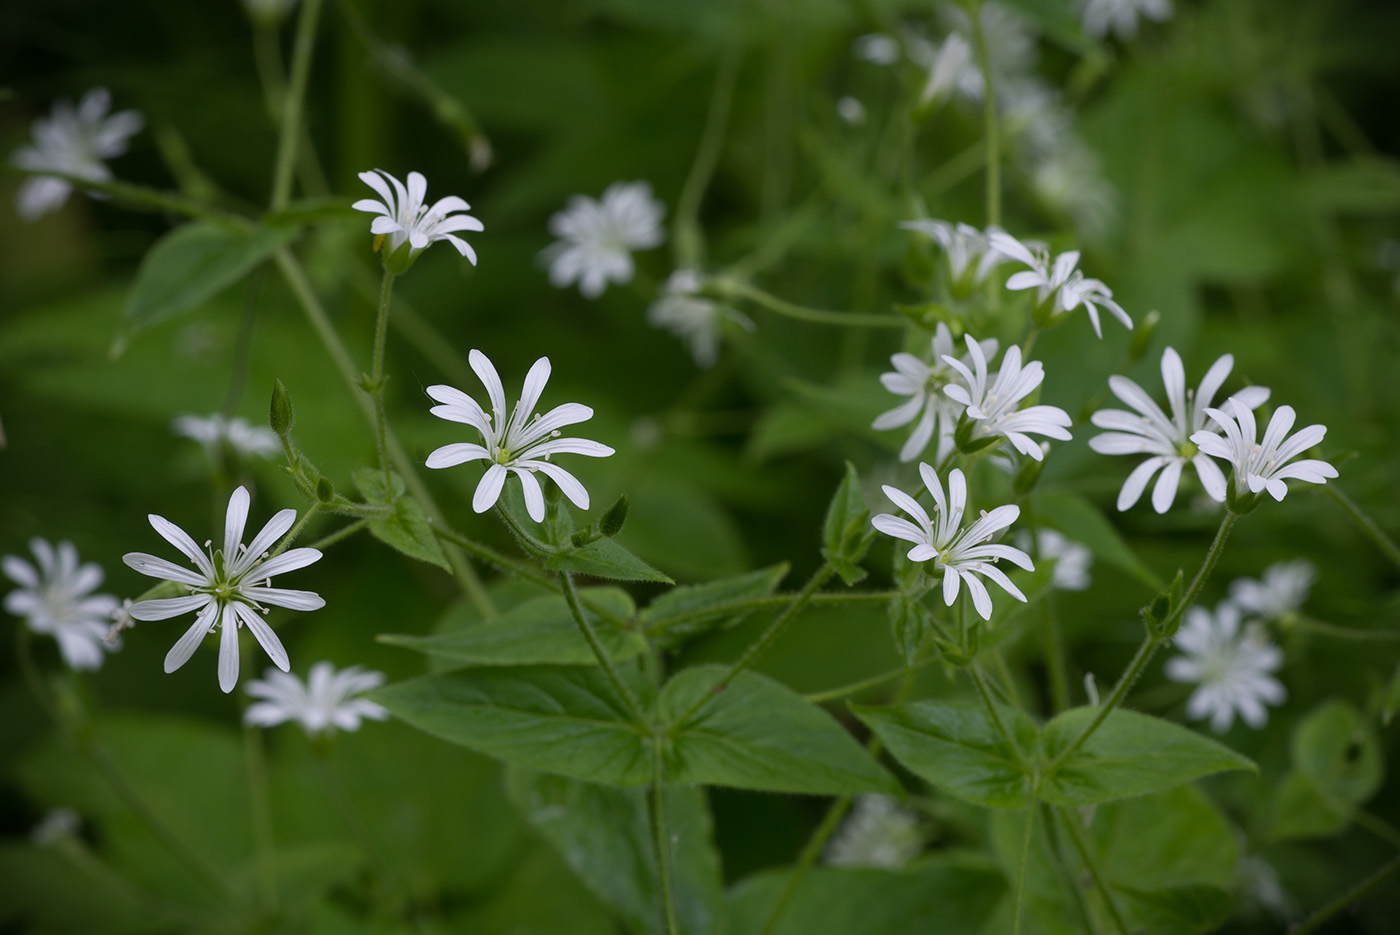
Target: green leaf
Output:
{"points": [[560, 719], [847, 533], [689, 610], [539, 631], [1166, 839], [1365, 185], [1301, 810], [1081, 521], [956, 746], [310, 211], [1177, 910], [928, 315], [605, 835], [194, 263], [1335, 747], [909, 624], [1129, 754], [406, 529], [605, 558], [760, 734]]}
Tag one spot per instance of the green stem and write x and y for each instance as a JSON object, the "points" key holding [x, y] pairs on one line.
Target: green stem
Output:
{"points": [[662, 839], [376, 378], [255, 761], [1150, 645], [1378, 826], [604, 660], [295, 531], [773, 600], [1053, 644], [345, 532], [726, 286], [1076, 835], [843, 691], [490, 556], [1343, 633], [1383, 542], [991, 131], [1025, 866], [292, 103], [687, 238], [140, 195], [979, 680], [1347, 899]]}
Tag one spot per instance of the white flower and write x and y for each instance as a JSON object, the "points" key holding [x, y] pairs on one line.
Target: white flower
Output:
{"points": [[971, 258], [227, 588], [323, 703], [57, 824], [963, 554], [1072, 559], [1280, 593], [216, 430], [993, 411], [1264, 465], [877, 833], [56, 598], [850, 110], [74, 142], [877, 47], [1121, 16], [405, 218], [1060, 287], [1230, 665], [923, 384], [1011, 46], [953, 69], [684, 312], [519, 441], [1168, 439], [597, 237], [1069, 179]]}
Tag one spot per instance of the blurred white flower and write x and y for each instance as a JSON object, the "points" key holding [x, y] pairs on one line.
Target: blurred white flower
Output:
{"points": [[121, 620], [1259, 883], [877, 47], [851, 110], [962, 554], [597, 237], [227, 588], [1264, 465], [57, 823], [953, 69], [1069, 179], [1168, 439], [514, 441], [56, 598], [74, 141], [877, 833], [1072, 559], [322, 704], [405, 218], [1060, 287], [1100, 17], [923, 383], [1280, 592], [697, 320], [971, 258], [216, 430], [1231, 666], [993, 411]]}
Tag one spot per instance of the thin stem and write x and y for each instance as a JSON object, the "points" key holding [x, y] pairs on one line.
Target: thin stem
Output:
{"points": [[604, 660], [1025, 866], [295, 531], [1007, 680], [843, 691], [1350, 897], [773, 600], [1054, 646], [139, 195], [1342, 633], [979, 680], [376, 377], [818, 316], [255, 762], [292, 103], [1378, 826], [1076, 835], [990, 129], [662, 839], [490, 556], [345, 532], [1383, 542], [688, 240]]}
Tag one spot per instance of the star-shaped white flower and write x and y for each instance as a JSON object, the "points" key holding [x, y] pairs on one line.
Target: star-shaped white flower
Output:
{"points": [[322, 704], [1230, 665], [1167, 439], [74, 141], [1280, 592], [227, 587], [216, 430], [517, 441], [686, 313], [971, 258], [1072, 559], [961, 554], [1264, 465], [406, 218], [923, 383], [1060, 286], [1100, 17], [596, 238], [993, 411], [56, 598]]}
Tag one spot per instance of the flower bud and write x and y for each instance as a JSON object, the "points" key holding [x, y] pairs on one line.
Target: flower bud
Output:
{"points": [[325, 490], [611, 523], [280, 412], [1142, 335]]}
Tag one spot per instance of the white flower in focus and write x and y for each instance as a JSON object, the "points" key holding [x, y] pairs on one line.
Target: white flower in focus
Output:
{"points": [[57, 823], [56, 598], [993, 411], [684, 312], [596, 238], [1072, 559], [322, 704], [877, 833], [406, 218], [1168, 439], [1060, 286], [877, 47], [517, 441], [851, 110], [1231, 666], [971, 258], [228, 587], [1100, 17], [216, 430], [962, 554], [923, 383], [1264, 465], [74, 141], [1280, 592]]}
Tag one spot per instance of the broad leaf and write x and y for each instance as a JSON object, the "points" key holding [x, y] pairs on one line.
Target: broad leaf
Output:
{"points": [[1302, 810], [691, 609], [760, 734], [957, 747], [1177, 910], [605, 835], [560, 719], [847, 533], [407, 529], [1129, 754], [605, 558], [539, 631]]}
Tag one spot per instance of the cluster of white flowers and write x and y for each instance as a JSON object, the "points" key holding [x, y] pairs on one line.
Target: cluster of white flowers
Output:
{"points": [[968, 250], [877, 833], [324, 703], [72, 141], [924, 384], [1059, 287], [217, 430], [596, 238], [1100, 17], [56, 598]]}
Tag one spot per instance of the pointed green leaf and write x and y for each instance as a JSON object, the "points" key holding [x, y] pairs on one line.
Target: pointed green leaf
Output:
{"points": [[760, 734], [1176, 910], [691, 609], [539, 631], [847, 533], [559, 719], [956, 746], [406, 529], [605, 558], [1129, 754]]}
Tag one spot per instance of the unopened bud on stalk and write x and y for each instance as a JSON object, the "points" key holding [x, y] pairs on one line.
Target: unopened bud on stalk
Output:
{"points": [[280, 412], [611, 523], [1142, 335]]}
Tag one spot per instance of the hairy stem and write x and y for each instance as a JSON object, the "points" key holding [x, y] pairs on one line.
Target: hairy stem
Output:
{"points": [[376, 377], [604, 660], [292, 103], [802, 313], [1368, 526], [990, 131], [1076, 834], [662, 839]]}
